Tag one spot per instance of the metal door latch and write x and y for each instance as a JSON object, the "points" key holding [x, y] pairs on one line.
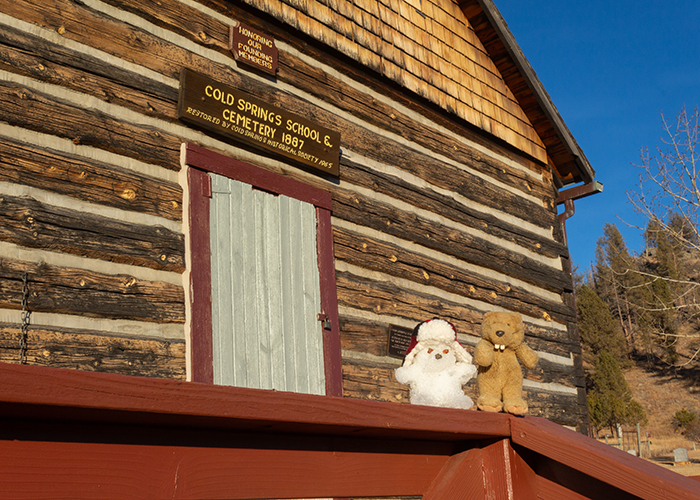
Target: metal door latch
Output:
{"points": [[325, 320]]}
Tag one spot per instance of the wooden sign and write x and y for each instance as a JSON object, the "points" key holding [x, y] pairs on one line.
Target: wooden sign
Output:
{"points": [[399, 341], [253, 48], [234, 113]]}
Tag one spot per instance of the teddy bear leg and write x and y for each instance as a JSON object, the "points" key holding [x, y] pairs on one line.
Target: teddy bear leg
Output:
{"points": [[513, 401], [488, 402]]}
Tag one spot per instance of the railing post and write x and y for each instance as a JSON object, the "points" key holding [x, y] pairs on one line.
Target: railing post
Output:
{"points": [[493, 472]]}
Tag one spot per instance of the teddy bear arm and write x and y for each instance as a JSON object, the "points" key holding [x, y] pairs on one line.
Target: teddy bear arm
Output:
{"points": [[483, 354], [527, 356]]}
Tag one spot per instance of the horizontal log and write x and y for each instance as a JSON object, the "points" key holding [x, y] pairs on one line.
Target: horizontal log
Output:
{"points": [[447, 206], [87, 293], [94, 351], [445, 176], [38, 58], [383, 217], [545, 372], [559, 408], [27, 222], [370, 253], [383, 297], [363, 336], [361, 382], [88, 180], [379, 384], [45, 113]]}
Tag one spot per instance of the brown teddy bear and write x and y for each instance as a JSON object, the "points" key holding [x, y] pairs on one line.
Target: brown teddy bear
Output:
{"points": [[500, 378]]}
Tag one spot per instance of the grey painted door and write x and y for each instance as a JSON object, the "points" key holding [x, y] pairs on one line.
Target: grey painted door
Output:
{"points": [[265, 290]]}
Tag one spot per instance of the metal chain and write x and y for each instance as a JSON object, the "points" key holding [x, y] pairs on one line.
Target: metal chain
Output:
{"points": [[25, 320]]}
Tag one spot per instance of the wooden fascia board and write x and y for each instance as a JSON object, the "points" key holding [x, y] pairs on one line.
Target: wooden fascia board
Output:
{"points": [[570, 163]]}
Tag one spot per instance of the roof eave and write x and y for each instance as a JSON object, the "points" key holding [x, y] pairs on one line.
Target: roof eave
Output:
{"points": [[569, 162]]}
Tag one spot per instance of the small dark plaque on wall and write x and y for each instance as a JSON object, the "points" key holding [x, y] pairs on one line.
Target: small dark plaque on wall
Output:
{"points": [[399, 341], [236, 114], [251, 47]]}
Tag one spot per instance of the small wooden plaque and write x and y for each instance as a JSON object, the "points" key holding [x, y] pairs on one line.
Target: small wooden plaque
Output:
{"points": [[399, 341], [251, 47]]}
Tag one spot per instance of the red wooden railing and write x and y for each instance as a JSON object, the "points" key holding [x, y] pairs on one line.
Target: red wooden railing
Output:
{"points": [[78, 435]]}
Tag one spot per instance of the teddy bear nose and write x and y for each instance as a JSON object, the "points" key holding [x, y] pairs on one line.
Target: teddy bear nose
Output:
{"points": [[438, 356], [500, 333]]}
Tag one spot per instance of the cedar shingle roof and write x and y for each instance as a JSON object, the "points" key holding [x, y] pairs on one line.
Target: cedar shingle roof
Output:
{"points": [[460, 56]]}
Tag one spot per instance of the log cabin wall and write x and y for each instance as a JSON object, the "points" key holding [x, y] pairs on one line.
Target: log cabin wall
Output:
{"points": [[445, 204]]}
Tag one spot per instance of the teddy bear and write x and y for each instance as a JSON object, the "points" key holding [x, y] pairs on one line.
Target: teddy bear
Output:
{"points": [[500, 378], [437, 367]]}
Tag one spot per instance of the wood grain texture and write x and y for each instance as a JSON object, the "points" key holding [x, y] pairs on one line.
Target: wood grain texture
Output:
{"points": [[23, 107], [354, 135], [67, 290], [545, 372], [33, 56], [478, 250], [395, 260], [95, 351], [515, 77], [200, 276], [449, 207], [210, 161], [329, 304], [384, 297], [319, 82], [88, 180], [117, 440], [492, 110], [30, 223], [551, 490], [431, 155]]}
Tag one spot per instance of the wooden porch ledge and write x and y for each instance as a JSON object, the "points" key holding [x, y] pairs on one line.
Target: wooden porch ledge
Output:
{"points": [[39, 392], [72, 434]]}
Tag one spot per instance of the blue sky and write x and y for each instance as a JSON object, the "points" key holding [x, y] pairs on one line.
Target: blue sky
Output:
{"points": [[611, 67]]}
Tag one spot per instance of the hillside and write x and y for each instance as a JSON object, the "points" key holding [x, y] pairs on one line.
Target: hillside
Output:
{"points": [[662, 393]]}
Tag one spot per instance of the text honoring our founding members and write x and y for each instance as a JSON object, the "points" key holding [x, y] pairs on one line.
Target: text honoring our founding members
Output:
{"points": [[264, 126]]}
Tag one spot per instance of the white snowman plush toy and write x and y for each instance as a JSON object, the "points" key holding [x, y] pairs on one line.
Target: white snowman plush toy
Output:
{"points": [[437, 367]]}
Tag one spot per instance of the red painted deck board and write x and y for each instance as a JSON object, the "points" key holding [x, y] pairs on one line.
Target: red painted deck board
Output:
{"points": [[146, 400]]}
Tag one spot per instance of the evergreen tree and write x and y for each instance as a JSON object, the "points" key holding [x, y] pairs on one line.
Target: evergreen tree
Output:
{"points": [[615, 279], [610, 398], [598, 329]]}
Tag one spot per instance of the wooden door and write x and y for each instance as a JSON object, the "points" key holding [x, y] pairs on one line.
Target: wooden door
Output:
{"points": [[265, 290]]}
